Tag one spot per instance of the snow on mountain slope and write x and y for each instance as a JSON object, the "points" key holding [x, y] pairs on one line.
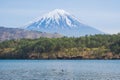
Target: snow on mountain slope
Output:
{"points": [[62, 22]]}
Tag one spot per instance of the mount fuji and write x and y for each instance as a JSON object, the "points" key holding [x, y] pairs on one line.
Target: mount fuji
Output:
{"points": [[62, 22]]}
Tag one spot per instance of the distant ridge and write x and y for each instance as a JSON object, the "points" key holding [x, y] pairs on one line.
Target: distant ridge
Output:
{"points": [[15, 33]]}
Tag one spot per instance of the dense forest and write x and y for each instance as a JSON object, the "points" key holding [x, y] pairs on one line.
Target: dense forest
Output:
{"points": [[87, 47]]}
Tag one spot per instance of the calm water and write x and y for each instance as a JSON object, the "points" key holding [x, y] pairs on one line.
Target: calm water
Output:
{"points": [[59, 69]]}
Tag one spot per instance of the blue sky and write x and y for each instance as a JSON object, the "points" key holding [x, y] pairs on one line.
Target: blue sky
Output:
{"points": [[101, 14]]}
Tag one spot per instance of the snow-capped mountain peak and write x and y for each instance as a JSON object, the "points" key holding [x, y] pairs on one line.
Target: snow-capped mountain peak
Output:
{"points": [[62, 22], [56, 14]]}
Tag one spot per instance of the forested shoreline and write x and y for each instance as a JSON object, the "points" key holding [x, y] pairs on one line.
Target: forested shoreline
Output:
{"points": [[102, 46]]}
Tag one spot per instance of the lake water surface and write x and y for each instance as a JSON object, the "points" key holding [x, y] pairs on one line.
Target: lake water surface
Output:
{"points": [[59, 69]]}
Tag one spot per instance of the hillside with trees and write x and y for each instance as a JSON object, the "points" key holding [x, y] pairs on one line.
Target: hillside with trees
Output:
{"points": [[87, 47]]}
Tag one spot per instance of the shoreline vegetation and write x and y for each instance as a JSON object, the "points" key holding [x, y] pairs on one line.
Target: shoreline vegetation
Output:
{"points": [[101, 46]]}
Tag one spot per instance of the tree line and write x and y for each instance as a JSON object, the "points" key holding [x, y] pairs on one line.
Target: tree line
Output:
{"points": [[101, 46]]}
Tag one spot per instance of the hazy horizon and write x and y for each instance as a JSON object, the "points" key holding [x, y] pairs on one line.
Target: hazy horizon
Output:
{"points": [[103, 15]]}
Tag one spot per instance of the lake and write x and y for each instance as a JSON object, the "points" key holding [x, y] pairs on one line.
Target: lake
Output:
{"points": [[59, 69]]}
